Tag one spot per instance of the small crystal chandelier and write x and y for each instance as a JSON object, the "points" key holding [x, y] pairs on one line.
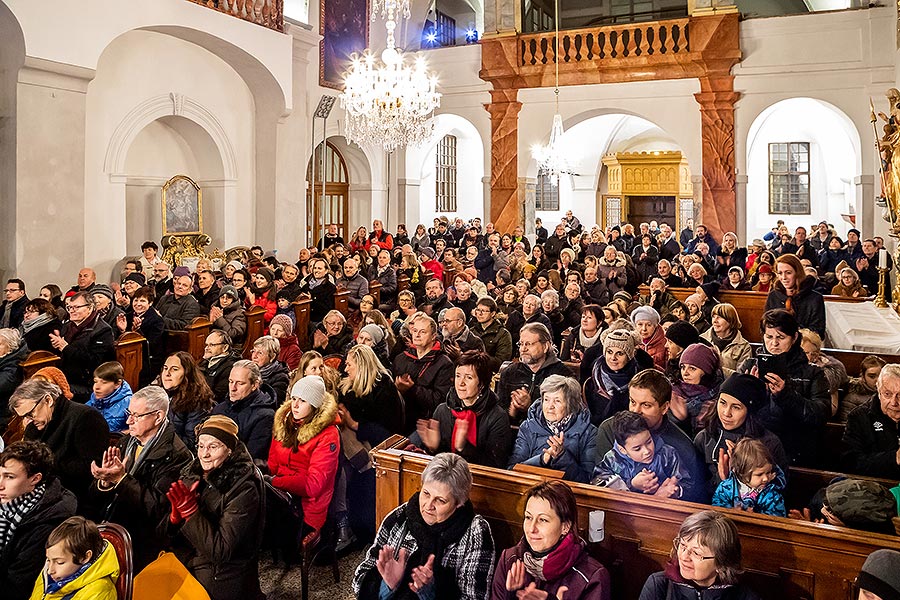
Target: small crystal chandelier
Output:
{"points": [[552, 158], [389, 102]]}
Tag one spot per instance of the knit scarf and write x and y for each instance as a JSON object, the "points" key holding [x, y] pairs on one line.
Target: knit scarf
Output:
{"points": [[75, 330], [552, 564], [557, 427], [41, 319], [722, 343], [585, 341], [435, 539], [614, 382], [14, 512]]}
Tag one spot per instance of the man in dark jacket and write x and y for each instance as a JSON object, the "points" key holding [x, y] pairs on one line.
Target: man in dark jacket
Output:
{"points": [[872, 433], [649, 395], [497, 340], [530, 313], [435, 299], [383, 272], [161, 282], [130, 486], [555, 244], [179, 308], [456, 335], [218, 358], [26, 477], [251, 405], [669, 247], [86, 342], [520, 382], [423, 374], [207, 294], [12, 311], [75, 433], [802, 248]]}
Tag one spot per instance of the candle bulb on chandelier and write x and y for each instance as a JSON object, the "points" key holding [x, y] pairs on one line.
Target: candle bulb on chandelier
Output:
{"points": [[882, 259]]}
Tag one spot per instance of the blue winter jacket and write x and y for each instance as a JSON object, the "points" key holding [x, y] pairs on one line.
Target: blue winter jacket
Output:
{"points": [[665, 464], [579, 441], [113, 406], [770, 500]]}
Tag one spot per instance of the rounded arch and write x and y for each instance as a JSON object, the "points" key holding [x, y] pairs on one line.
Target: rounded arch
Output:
{"points": [[834, 159], [160, 106]]}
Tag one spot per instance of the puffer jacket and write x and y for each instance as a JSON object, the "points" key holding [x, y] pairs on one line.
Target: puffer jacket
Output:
{"points": [[808, 306], [670, 585], [358, 286], [432, 375], [113, 406], [305, 463], [579, 440], [583, 576], [798, 414], [220, 543], [709, 441], [290, 352], [96, 582], [519, 376], [664, 464], [769, 500], [233, 322]]}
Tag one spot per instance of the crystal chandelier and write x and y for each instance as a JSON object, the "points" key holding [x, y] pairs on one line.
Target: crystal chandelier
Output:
{"points": [[389, 102], [552, 157]]}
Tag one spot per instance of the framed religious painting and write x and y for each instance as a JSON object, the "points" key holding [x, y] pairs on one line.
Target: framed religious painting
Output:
{"points": [[344, 25], [182, 206]]}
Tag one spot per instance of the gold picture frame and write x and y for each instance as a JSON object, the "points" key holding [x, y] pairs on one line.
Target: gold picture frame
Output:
{"points": [[182, 206]]}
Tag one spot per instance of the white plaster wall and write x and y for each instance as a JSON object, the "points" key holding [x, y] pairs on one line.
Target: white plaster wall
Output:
{"points": [[142, 65]]}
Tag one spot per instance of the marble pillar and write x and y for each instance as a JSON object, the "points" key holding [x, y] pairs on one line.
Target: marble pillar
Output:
{"points": [[506, 206], [716, 99]]}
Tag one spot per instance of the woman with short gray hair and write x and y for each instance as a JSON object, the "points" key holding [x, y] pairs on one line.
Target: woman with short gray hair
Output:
{"points": [[12, 352], [558, 433], [272, 371], [434, 544]]}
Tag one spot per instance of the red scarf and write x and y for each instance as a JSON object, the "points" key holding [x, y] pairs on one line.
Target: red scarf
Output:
{"points": [[469, 417]]}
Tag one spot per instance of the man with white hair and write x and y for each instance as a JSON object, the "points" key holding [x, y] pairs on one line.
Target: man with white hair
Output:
{"points": [[131, 481], [873, 430], [456, 335], [179, 308]]}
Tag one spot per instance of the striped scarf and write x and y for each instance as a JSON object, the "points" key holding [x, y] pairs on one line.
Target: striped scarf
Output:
{"points": [[14, 512]]}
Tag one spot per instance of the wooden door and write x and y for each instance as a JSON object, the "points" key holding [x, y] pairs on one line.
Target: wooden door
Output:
{"points": [[643, 209], [333, 206]]}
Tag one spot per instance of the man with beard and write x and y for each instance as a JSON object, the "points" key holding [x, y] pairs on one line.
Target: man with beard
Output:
{"points": [[435, 299]]}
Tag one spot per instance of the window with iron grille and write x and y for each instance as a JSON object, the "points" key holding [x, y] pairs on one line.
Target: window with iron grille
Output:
{"points": [[789, 178], [445, 175], [445, 28], [546, 195]]}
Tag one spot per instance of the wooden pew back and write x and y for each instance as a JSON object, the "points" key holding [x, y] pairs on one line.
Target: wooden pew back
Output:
{"points": [[784, 559], [402, 281], [256, 326], [191, 339], [130, 348], [375, 292], [301, 322], [37, 360], [342, 302]]}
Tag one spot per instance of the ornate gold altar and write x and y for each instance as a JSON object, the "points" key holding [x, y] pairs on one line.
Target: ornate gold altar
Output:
{"points": [[182, 221]]}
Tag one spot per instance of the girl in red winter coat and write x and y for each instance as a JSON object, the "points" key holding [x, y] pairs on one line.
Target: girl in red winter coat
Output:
{"points": [[303, 458], [262, 292]]}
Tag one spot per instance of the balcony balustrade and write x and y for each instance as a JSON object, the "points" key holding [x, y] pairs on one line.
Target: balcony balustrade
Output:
{"points": [[268, 13]]}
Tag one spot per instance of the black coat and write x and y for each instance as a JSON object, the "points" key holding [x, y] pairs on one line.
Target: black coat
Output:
{"points": [[177, 313], [217, 375], [378, 414], [518, 376], [23, 557], [139, 501], [90, 348], [255, 416], [808, 305], [77, 435], [39, 337], [871, 442], [433, 377], [10, 378], [322, 299], [223, 537], [16, 311]]}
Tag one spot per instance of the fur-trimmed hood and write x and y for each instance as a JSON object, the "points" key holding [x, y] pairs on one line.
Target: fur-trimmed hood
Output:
{"points": [[326, 416]]}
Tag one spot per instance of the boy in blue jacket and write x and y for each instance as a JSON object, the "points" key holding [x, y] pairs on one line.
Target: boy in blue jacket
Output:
{"points": [[640, 462], [756, 483], [111, 395]]}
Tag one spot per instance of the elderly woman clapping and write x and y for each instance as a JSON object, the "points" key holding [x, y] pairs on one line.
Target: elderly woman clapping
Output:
{"points": [[434, 546], [558, 433]]}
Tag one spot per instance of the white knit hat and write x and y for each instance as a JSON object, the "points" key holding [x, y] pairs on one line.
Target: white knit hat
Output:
{"points": [[375, 332], [311, 389]]}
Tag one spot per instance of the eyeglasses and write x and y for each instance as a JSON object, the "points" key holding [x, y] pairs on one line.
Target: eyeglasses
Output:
{"points": [[10, 291], [73, 307], [211, 344], [528, 344], [692, 553], [332, 323], [214, 447], [131, 415], [29, 416]]}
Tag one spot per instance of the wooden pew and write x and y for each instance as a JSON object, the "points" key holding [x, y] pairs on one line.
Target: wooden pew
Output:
{"points": [[256, 326], [192, 339], [37, 360], [375, 292], [804, 483], [449, 276], [342, 302], [784, 559], [402, 282], [301, 321], [130, 349]]}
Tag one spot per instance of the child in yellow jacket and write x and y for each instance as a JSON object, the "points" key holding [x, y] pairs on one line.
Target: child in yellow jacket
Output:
{"points": [[81, 565]]}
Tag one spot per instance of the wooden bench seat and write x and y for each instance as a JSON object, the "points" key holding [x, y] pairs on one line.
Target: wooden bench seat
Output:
{"points": [[301, 322], [256, 327], [131, 348], [784, 559], [191, 339]]}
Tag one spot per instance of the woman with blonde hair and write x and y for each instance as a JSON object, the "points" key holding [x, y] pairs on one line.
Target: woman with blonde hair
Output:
{"points": [[849, 285], [725, 335]]}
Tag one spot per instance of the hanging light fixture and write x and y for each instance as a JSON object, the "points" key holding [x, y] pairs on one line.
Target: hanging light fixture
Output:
{"points": [[551, 158], [389, 102]]}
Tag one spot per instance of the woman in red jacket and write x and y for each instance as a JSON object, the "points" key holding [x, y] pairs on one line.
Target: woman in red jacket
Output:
{"points": [[262, 292], [303, 458]]}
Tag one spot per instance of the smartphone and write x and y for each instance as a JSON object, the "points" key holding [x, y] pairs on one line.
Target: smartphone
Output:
{"points": [[771, 363]]}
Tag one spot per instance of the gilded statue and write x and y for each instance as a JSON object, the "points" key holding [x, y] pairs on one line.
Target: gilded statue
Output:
{"points": [[889, 150]]}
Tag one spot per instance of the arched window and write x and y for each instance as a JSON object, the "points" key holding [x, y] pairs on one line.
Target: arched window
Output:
{"points": [[334, 206], [445, 175]]}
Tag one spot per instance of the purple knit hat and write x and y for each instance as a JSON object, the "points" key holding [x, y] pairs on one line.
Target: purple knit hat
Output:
{"points": [[700, 356]]}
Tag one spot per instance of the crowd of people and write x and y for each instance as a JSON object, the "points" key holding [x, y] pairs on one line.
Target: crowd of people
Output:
{"points": [[567, 352]]}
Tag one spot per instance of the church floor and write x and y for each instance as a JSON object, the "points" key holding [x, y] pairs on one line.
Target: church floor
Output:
{"points": [[279, 583]]}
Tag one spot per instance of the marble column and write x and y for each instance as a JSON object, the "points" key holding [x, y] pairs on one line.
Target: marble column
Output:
{"points": [[716, 99], [506, 205]]}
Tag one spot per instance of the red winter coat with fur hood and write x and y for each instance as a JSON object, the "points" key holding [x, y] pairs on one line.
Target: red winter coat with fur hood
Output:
{"points": [[303, 460]]}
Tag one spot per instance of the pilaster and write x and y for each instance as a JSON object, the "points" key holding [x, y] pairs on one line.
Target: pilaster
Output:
{"points": [[506, 205]]}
